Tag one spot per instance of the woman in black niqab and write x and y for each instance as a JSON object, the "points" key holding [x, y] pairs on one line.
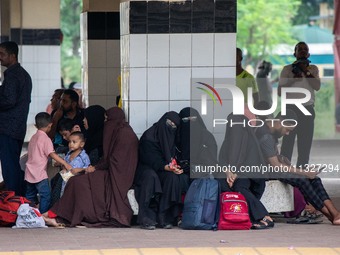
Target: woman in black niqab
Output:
{"points": [[94, 117], [159, 187], [196, 143]]}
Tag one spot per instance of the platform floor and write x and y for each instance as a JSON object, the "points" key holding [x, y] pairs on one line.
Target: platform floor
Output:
{"points": [[286, 239]]}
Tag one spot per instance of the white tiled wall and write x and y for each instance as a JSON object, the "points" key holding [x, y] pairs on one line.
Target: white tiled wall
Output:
{"points": [[158, 84], [179, 79], [43, 64], [180, 50], [224, 51], [159, 68], [138, 116], [137, 50], [138, 81], [158, 50], [202, 49], [97, 53], [101, 70]]}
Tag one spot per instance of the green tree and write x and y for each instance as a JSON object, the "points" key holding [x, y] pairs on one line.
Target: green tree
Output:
{"points": [[262, 25], [70, 49], [309, 8]]}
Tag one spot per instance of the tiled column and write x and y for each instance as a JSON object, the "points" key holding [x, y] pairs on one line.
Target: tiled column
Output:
{"points": [[165, 44], [35, 26], [100, 52]]}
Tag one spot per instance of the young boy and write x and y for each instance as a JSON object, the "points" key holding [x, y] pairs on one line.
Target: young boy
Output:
{"points": [[65, 128], [40, 148], [76, 157]]}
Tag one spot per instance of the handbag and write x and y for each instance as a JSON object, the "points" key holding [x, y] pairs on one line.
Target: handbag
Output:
{"points": [[29, 217]]}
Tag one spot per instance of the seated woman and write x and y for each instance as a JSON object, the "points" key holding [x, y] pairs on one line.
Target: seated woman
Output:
{"points": [[196, 144], [94, 117], [99, 197], [240, 148], [159, 182]]}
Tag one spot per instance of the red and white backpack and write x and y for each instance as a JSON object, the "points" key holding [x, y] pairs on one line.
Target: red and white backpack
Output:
{"points": [[233, 212]]}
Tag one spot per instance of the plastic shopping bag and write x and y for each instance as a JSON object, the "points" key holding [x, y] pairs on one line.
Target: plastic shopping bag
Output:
{"points": [[29, 217]]}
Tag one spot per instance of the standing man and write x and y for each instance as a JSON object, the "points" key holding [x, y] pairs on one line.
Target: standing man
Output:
{"points": [[245, 80], [15, 97], [300, 74]]}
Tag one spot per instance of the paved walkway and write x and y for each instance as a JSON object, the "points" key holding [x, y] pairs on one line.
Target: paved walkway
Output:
{"points": [[285, 239], [282, 239]]}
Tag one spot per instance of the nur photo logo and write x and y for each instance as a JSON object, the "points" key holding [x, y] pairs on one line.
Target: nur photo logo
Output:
{"points": [[211, 92], [233, 101]]}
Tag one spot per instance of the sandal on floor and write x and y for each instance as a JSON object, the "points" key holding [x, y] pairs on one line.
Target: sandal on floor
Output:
{"points": [[148, 227], [259, 225], [59, 226], [313, 216], [305, 220], [299, 220], [270, 223]]}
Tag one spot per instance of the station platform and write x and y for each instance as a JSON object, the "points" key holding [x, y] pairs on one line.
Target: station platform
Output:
{"points": [[285, 239]]}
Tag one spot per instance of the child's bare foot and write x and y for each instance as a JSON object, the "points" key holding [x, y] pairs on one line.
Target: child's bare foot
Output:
{"points": [[52, 222]]}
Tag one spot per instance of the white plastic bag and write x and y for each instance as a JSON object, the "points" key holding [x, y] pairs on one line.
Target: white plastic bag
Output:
{"points": [[29, 217]]}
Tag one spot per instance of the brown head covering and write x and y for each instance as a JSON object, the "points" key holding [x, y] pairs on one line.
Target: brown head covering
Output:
{"points": [[121, 151], [115, 121]]}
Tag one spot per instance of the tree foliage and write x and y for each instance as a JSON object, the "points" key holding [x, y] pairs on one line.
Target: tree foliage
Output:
{"points": [[262, 25], [70, 49], [309, 8]]}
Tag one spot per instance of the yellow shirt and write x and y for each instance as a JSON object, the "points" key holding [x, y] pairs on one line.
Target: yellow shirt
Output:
{"points": [[244, 81]]}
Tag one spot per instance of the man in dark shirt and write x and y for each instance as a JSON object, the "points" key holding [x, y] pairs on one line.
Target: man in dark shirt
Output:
{"points": [[304, 179], [15, 97], [69, 109]]}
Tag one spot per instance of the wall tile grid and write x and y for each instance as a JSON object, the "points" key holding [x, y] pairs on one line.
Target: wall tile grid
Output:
{"points": [[167, 44], [43, 65], [101, 56]]}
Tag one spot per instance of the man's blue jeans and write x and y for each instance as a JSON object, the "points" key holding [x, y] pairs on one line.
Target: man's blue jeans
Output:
{"points": [[43, 189], [10, 150]]}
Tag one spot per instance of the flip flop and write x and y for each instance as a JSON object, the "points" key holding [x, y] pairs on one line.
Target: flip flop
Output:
{"points": [[259, 225], [304, 220], [270, 223], [300, 220], [59, 226]]}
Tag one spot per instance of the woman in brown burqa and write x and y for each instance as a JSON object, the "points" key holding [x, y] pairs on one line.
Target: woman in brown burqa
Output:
{"points": [[99, 197]]}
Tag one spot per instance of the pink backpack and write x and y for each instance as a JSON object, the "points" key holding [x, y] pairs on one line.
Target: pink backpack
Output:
{"points": [[233, 212]]}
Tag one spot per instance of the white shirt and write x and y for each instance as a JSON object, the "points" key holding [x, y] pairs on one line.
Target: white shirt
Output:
{"points": [[287, 74]]}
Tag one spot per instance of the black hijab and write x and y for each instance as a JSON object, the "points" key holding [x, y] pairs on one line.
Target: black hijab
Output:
{"points": [[95, 116], [164, 135], [194, 141]]}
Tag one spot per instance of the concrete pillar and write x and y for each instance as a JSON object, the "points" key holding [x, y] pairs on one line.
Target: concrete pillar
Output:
{"points": [[4, 20], [35, 26], [165, 45], [100, 51]]}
